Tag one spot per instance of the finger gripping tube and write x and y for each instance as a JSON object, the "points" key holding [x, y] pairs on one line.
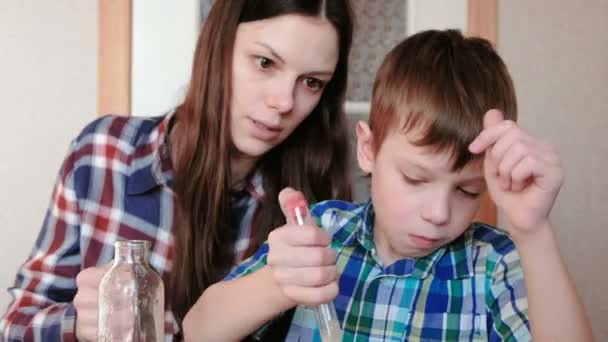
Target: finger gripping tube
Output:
{"points": [[327, 318]]}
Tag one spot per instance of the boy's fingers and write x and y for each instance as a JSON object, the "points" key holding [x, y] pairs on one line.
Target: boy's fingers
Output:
{"points": [[514, 138], [490, 167], [305, 235], [492, 118], [313, 296], [515, 154], [283, 196], [302, 257], [307, 276], [286, 196], [522, 173], [490, 135]]}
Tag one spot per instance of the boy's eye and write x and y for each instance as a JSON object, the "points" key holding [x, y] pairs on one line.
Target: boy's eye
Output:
{"points": [[468, 193], [264, 62], [412, 181], [313, 83]]}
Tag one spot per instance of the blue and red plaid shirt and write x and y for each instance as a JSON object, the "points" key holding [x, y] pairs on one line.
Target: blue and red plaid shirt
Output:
{"points": [[115, 183]]}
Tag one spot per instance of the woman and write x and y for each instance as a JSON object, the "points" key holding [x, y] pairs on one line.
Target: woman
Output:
{"points": [[263, 111]]}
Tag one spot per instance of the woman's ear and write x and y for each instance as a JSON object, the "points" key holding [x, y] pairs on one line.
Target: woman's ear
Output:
{"points": [[365, 147]]}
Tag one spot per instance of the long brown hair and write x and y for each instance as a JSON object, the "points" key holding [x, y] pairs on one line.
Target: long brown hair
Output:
{"points": [[313, 158]]}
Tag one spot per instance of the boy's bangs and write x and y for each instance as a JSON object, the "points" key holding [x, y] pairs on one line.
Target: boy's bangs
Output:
{"points": [[444, 129], [440, 85]]}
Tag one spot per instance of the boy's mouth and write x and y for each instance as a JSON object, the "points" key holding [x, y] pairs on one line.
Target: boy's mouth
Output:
{"points": [[422, 241]]}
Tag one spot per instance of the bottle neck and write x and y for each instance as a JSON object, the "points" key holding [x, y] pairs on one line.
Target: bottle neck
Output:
{"points": [[131, 252]]}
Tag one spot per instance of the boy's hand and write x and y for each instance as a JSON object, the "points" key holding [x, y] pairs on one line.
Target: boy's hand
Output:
{"points": [[302, 263], [523, 174]]}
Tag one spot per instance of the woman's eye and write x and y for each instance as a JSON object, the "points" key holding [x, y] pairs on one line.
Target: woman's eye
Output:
{"points": [[264, 62], [313, 83]]}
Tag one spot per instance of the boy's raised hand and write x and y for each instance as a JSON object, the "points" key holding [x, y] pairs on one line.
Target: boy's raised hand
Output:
{"points": [[302, 263], [523, 174]]}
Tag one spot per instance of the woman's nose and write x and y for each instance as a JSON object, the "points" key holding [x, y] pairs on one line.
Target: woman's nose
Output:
{"points": [[281, 96]]}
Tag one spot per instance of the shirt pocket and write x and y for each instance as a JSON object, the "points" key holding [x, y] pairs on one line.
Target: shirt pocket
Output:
{"points": [[431, 327]]}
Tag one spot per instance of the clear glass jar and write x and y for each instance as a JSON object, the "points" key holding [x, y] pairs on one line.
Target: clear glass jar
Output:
{"points": [[131, 297]]}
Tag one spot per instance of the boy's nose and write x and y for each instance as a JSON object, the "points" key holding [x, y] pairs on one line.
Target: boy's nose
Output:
{"points": [[437, 211]]}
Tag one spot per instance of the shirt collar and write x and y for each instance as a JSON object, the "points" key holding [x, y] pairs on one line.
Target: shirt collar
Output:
{"points": [[453, 261], [151, 160], [349, 233], [250, 187]]}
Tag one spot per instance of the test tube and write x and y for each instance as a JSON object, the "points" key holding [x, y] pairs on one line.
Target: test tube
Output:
{"points": [[327, 318]]}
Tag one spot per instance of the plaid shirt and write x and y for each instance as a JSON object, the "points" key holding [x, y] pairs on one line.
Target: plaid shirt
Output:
{"points": [[114, 184], [470, 290]]}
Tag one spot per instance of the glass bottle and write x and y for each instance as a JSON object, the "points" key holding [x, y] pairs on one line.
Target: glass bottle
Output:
{"points": [[131, 297]]}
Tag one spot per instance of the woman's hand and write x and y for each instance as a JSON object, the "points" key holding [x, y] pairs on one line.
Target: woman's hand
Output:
{"points": [[86, 302]]}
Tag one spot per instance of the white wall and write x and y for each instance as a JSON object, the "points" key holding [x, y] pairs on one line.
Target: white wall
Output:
{"points": [[164, 38], [558, 57], [436, 14], [48, 66]]}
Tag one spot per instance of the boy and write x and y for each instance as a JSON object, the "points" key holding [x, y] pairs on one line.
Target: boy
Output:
{"points": [[411, 264]]}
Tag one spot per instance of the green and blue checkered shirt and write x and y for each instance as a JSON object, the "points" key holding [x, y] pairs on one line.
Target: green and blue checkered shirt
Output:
{"points": [[470, 290]]}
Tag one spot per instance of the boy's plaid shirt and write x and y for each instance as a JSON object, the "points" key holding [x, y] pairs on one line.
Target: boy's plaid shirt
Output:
{"points": [[114, 184], [471, 290]]}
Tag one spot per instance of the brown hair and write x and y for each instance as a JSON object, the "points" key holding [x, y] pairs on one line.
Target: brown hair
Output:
{"points": [[313, 158], [441, 83]]}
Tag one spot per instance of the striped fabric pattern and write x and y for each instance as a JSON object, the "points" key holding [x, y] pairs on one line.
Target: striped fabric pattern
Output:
{"points": [[115, 183], [470, 290]]}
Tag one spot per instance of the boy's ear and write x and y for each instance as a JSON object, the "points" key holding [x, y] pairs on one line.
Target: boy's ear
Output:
{"points": [[365, 147]]}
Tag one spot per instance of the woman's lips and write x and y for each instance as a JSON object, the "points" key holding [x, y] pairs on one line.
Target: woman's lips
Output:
{"points": [[263, 131]]}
